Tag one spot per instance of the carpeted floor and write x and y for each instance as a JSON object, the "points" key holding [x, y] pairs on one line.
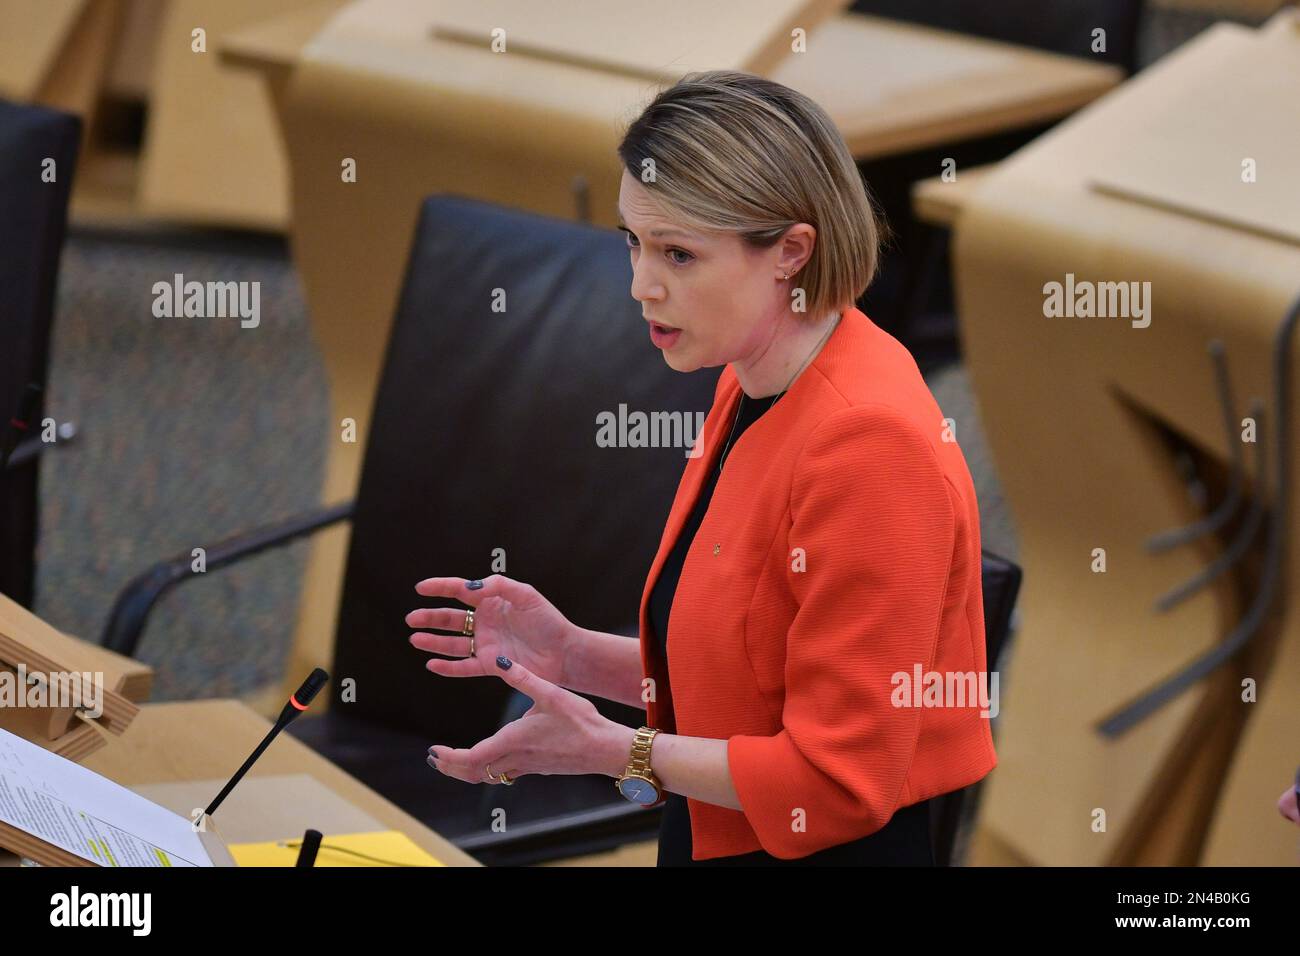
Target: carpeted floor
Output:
{"points": [[189, 430]]}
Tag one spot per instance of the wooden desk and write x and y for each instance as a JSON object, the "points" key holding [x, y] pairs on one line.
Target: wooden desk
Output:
{"points": [[940, 203], [1076, 412], [212, 153], [889, 86], [196, 740], [272, 46], [894, 87]]}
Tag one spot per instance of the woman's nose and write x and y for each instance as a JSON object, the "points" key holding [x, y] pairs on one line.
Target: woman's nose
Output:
{"points": [[645, 287]]}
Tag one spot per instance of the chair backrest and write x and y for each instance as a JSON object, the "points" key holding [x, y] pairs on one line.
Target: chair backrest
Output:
{"points": [[1062, 26], [1000, 584], [33, 220], [513, 334]]}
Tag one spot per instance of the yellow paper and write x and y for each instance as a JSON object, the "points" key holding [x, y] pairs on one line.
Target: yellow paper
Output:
{"points": [[391, 846]]}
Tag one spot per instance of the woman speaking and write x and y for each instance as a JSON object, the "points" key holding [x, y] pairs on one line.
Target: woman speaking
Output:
{"points": [[823, 549]]}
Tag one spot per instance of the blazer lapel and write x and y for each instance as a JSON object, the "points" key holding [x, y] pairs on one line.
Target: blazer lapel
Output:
{"points": [[698, 468]]}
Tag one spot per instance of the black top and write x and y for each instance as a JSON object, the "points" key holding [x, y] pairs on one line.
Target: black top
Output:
{"points": [[904, 840]]}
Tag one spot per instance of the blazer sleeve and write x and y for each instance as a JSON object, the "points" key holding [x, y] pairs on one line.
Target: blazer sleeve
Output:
{"points": [[870, 508]]}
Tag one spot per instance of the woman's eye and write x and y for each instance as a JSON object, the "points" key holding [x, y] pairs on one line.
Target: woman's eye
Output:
{"points": [[634, 243]]}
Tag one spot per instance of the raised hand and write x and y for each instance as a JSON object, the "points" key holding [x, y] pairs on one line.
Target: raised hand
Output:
{"points": [[511, 619]]}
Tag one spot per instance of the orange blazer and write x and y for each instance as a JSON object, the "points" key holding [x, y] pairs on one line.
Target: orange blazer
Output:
{"points": [[840, 550]]}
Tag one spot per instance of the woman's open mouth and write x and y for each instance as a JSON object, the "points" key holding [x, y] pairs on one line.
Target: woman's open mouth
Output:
{"points": [[663, 336]]}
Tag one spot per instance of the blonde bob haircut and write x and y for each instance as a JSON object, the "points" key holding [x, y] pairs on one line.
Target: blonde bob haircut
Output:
{"points": [[724, 151]]}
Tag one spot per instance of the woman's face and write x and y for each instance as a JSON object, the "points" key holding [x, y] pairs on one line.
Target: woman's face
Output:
{"points": [[726, 298]]}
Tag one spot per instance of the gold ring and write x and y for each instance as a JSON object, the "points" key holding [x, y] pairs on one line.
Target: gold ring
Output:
{"points": [[468, 627], [508, 780], [491, 775]]}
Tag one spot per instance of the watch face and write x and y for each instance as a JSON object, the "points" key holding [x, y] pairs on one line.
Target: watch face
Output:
{"points": [[638, 790]]}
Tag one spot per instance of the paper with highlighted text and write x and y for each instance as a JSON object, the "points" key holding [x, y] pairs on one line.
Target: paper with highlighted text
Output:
{"points": [[66, 805]]}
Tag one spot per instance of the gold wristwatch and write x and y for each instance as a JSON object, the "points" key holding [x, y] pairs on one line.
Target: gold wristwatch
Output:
{"points": [[638, 782]]}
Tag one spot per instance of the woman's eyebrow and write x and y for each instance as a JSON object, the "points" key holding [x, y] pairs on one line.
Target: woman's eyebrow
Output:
{"points": [[622, 224]]}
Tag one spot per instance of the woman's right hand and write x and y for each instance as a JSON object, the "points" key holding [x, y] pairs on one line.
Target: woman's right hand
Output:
{"points": [[511, 619]]}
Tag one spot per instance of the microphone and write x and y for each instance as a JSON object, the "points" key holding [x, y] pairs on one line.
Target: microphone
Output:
{"points": [[302, 699], [310, 845], [299, 702]]}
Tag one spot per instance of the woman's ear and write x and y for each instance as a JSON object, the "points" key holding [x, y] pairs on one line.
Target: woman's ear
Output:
{"points": [[796, 248]]}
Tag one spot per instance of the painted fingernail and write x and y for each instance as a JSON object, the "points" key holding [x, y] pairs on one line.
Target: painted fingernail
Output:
{"points": [[474, 585], [504, 663], [434, 764]]}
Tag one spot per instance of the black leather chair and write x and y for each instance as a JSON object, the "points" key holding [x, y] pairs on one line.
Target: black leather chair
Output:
{"points": [[1000, 584], [1063, 26], [33, 221]]}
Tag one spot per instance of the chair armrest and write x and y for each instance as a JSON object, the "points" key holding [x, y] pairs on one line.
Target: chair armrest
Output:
{"points": [[134, 602], [27, 449]]}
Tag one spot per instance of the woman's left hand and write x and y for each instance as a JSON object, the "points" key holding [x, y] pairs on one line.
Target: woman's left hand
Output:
{"points": [[561, 733]]}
